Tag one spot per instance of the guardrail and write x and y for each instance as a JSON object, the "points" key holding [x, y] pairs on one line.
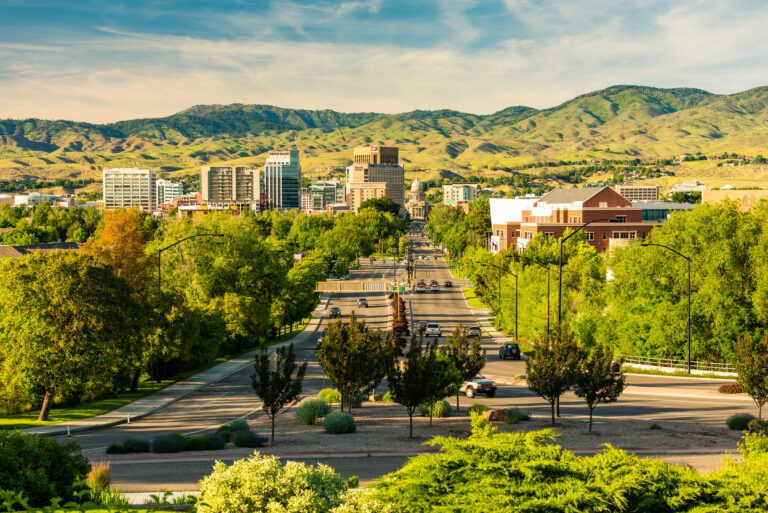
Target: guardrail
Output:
{"points": [[669, 363]]}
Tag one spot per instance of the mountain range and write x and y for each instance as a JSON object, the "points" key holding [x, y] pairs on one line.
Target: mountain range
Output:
{"points": [[620, 122]]}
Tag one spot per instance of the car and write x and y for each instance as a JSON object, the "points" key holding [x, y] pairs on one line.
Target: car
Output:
{"points": [[422, 325], [421, 288], [433, 282], [435, 287], [362, 302], [478, 385], [433, 329], [373, 259], [335, 313], [509, 350], [474, 331], [447, 284]]}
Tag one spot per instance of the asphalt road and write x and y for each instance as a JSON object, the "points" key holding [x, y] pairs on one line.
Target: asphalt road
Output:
{"points": [[685, 399]]}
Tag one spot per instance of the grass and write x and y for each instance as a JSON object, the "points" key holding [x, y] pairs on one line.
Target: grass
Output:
{"points": [[682, 374], [474, 300]]}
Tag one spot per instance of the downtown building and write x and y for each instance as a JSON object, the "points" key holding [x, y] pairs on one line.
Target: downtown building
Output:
{"points": [[459, 194], [231, 184], [129, 187], [322, 194], [168, 190], [375, 173], [281, 180]]}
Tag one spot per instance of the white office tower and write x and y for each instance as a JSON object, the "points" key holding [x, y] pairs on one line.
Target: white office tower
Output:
{"points": [[167, 190], [129, 187]]}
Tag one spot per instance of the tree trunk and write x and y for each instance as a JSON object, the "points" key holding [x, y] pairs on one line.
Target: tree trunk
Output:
{"points": [[552, 405], [558, 405], [430, 415], [457, 402], [410, 416], [590, 419], [135, 379], [47, 403], [760, 412], [273, 430]]}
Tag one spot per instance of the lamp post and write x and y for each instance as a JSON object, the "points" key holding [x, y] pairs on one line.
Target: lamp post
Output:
{"points": [[500, 269], [688, 260], [560, 267], [160, 252]]}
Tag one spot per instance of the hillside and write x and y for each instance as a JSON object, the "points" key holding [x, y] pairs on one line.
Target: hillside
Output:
{"points": [[619, 122]]}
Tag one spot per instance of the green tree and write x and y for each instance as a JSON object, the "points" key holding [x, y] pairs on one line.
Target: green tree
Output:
{"points": [[409, 381], [383, 204], [444, 379], [752, 368], [599, 379], [479, 220], [355, 358], [273, 380], [65, 319], [467, 356], [552, 370]]}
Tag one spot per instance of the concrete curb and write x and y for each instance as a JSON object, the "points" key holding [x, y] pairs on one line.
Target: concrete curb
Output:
{"points": [[195, 383]]}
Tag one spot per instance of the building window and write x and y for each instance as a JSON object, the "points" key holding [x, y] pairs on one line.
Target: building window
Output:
{"points": [[603, 235], [621, 219], [590, 235], [549, 234]]}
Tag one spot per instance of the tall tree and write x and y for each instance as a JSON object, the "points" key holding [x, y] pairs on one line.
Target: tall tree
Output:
{"points": [[599, 379], [384, 204], [354, 358], [273, 380], [444, 379], [466, 355], [752, 369], [65, 319], [409, 379], [552, 370]]}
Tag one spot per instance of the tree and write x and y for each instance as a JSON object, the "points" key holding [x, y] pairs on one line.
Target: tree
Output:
{"points": [[444, 379], [466, 355], [599, 379], [551, 371], [752, 367], [383, 204], [408, 380], [273, 380], [65, 320], [354, 358]]}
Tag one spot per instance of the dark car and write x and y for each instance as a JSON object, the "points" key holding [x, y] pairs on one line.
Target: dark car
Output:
{"points": [[447, 284], [474, 331], [422, 325], [509, 350], [362, 302], [335, 313]]}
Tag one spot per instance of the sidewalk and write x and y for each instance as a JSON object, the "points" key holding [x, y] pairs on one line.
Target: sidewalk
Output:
{"points": [[179, 390]]}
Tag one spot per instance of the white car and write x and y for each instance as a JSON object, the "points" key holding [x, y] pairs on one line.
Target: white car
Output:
{"points": [[421, 288], [433, 329]]}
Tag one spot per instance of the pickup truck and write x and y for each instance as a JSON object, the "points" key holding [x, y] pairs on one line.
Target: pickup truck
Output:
{"points": [[478, 385]]}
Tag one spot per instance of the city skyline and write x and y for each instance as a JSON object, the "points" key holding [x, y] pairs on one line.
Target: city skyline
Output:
{"points": [[100, 63]]}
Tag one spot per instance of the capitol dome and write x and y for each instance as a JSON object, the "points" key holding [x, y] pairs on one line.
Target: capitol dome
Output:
{"points": [[417, 186]]}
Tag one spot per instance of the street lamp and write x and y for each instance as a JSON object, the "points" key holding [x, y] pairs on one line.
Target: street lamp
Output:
{"points": [[688, 260], [160, 252], [548, 294], [499, 294], [560, 266]]}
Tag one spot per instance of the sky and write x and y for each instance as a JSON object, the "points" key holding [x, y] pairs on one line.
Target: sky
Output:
{"points": [[109, 60]]}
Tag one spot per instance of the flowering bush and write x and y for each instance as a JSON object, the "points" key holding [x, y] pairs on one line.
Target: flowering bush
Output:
{"points": [[262, 484]]}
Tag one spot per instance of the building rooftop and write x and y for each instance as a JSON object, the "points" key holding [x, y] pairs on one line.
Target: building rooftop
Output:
{"points": [[573, 195], [19, 251]]}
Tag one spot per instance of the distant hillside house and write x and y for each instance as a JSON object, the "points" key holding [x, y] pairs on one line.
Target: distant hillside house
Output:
{"points": [[20, 251], [516, 221]]}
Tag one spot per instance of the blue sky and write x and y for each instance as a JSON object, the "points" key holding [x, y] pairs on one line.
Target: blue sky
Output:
{"points": [[105, 60]]}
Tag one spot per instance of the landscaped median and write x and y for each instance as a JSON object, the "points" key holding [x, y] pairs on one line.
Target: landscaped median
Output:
{"points": [[473, 300]]}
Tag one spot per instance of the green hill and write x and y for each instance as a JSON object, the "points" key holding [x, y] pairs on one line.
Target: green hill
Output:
{"points": [[619, 122]]}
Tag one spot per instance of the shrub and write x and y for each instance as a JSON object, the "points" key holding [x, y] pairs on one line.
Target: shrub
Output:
{"points": [[239, 425], [98, 479], [752, 444], [39, 467], [311, 409], [115, 448], [740, 421], [329, 395], [478, 408], [136, 444], [339, 423], [169, 443], [515, 416], [224, 431], [730, 388], [654, 426], [249, 439], [216, 442], [262, 483], [357, 399], [439, 409], [389, 397], [197, 443]]}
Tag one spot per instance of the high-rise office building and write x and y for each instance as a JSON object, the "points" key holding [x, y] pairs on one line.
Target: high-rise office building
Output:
{"points": [[167, 190], [129, 187], [375, 173], [231, 184], [282, 179], [327, 192]]}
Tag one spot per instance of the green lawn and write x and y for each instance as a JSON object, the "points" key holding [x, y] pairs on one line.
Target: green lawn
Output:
{"points": [[59, 415], [473, 300]]}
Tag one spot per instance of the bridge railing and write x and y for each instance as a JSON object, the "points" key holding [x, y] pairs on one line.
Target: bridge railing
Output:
{"points": [[669, 363]]}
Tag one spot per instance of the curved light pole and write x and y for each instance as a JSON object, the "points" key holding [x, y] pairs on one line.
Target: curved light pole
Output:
{"points": [[160, 252], [560, 266], [500, 269], [688, 259]]}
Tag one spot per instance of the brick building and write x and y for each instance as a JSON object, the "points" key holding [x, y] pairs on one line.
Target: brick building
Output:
{"points": [[517, 221]]}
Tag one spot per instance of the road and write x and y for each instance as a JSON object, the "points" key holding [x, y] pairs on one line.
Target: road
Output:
{"points": [[686, 399]]}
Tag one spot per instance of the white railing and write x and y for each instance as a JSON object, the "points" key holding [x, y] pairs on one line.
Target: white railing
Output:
{"points": [[669, 363]]}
